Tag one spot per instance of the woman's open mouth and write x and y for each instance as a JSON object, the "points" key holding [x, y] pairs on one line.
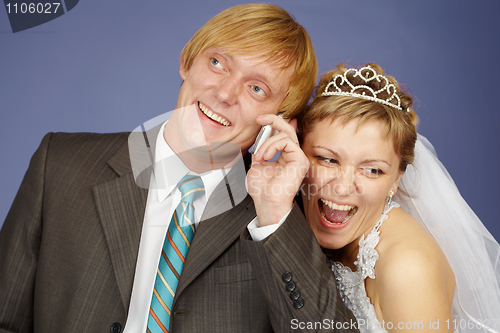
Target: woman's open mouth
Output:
{"points": [[336, 214]]}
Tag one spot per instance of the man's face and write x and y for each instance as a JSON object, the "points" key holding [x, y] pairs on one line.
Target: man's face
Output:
{"points": [[229, 91]]}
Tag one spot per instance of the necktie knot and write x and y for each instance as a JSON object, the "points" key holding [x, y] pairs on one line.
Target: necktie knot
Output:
{"points": [[191, 188]]}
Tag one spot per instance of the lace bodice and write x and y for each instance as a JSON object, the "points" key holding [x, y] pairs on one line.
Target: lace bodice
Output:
{"points": [[351, 284]]}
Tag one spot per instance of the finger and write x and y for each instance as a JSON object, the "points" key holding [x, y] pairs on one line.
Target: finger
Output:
{"points": [[266, 144], [278, 136], [284, 144], [260, 162], [263, 147], [296, 158], [266, 119], [278, 124]]}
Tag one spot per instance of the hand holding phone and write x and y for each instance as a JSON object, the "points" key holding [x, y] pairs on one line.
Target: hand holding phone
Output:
{"points": [[265, 133], [273, 184]]}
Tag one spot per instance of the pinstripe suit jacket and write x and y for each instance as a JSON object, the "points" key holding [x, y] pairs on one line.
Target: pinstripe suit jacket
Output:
{"points": [[69, 244]]}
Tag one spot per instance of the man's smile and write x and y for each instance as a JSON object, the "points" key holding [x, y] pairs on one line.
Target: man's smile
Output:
{"points": [[212, 115]]}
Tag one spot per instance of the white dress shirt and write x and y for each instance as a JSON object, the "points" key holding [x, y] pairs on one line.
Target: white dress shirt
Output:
{"points": [[163, 198]]}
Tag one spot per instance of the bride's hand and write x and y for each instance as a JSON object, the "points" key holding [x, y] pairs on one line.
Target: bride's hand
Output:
{"points": [[273, 184]]}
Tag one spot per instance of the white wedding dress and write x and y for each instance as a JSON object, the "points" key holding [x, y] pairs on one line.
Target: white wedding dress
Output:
{"points": [[473, 253], [351, 285]]}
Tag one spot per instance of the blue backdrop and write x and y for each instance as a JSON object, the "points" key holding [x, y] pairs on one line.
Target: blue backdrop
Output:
{"points": [[108, 66]]}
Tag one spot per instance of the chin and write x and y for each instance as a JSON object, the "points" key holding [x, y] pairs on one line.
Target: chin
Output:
{"points": [[325, 241], [193, 141]]}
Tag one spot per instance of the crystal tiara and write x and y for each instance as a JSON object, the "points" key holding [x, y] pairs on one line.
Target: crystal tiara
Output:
{"points": [[369, 75]]}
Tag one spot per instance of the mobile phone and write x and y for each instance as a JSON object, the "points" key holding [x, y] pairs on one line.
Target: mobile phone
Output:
{"points": [[265, 133]]}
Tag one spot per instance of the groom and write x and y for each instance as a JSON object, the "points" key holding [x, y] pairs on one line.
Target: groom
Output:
{"points": [[80, 247]]}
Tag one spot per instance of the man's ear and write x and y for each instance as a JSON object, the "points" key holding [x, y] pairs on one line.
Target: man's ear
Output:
{"points": [[182, 70]]}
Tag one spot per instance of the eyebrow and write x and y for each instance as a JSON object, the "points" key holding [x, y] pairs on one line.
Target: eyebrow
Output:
{"points": [[375, 160], [334, 153], [362, 162]]}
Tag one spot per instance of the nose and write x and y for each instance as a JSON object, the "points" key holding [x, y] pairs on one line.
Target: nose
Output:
{"points": [[344, 183], [228, 90]]}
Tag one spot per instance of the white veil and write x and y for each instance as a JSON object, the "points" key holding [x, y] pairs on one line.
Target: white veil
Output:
{"points": [[472, 252]]}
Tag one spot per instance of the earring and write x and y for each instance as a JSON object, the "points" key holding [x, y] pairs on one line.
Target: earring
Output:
{"points": [[391, 193]]}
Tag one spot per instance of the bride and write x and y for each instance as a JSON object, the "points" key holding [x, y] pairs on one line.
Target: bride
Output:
{"points": [[406, 250]]}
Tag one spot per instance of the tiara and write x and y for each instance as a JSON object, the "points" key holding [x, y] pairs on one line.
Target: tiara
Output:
{"points": [[369, 75]]}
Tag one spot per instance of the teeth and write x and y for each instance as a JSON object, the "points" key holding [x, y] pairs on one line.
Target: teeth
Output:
{"points": [[213, 115], [351, 213], [333, 205]]}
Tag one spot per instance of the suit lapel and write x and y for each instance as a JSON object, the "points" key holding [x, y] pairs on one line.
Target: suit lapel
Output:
{"points": [[121, 205], [216, 232]]}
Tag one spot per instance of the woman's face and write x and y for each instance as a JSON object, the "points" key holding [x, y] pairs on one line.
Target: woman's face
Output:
{"points": [[352, 171]]}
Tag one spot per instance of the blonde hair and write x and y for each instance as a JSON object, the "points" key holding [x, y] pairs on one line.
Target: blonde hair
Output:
{"points": [[397, 125], [258, 28]]}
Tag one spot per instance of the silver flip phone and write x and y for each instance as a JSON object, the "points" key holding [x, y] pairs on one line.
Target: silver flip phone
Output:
{"points": [[265, 133]]}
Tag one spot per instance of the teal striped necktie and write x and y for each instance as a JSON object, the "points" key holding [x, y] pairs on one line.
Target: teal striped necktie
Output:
{"points": [[175, 248]]}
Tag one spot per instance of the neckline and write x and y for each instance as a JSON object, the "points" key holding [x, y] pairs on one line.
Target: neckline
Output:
{"points": [[367, 255]]}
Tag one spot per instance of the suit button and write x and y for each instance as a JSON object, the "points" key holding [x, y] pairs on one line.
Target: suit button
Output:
{"points": [[290, 286], [287, 277], [298, 303], [116, 328], [295, 295]]}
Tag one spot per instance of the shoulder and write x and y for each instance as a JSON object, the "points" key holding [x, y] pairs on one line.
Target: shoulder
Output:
{"points": [[412, 267], [63, 140], [75, 145], [407, 250], [71, 154]]}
